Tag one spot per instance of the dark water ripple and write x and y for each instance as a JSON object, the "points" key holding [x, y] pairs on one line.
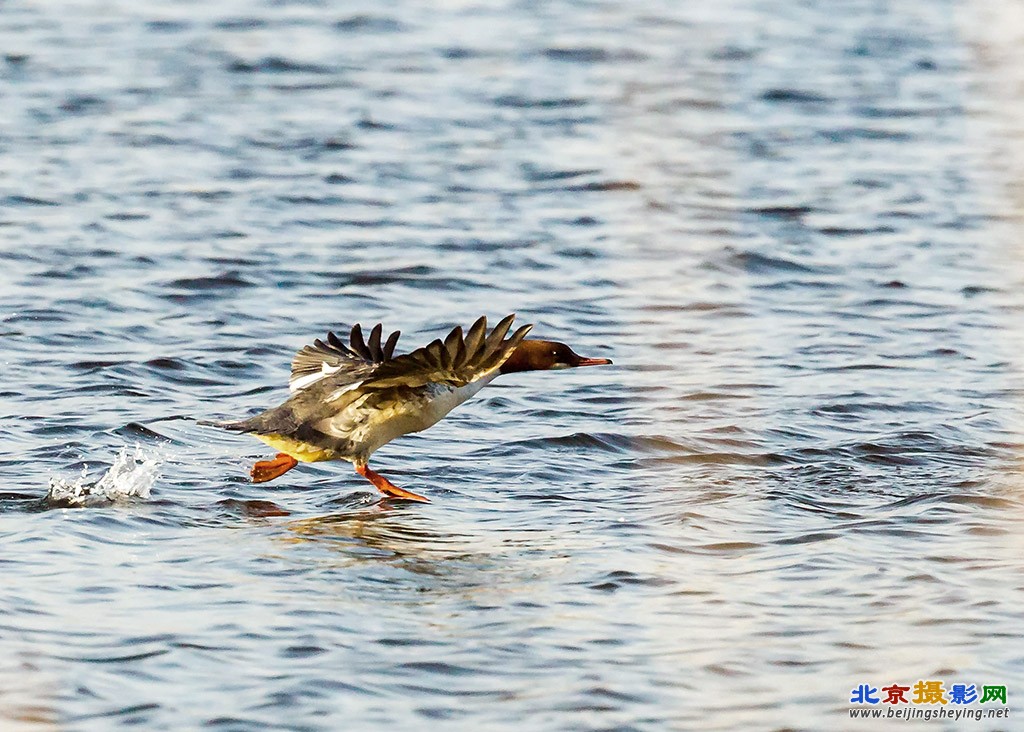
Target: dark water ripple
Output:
{"points": [[794, 227]]}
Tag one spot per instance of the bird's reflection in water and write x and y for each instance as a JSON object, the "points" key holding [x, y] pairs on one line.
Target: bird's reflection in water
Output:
{"points": [[253, 508], [388, 530], [415, 549]]}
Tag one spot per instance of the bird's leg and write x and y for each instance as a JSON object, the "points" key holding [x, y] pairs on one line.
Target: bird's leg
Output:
{"points": [[266, 470], [385, 486]]}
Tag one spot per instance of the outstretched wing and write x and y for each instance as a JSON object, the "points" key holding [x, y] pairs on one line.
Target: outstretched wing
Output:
{"points": [[355, 360], [457, 360]]}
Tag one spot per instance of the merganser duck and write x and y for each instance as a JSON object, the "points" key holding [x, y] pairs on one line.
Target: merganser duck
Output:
{"points": [[348, 400]]}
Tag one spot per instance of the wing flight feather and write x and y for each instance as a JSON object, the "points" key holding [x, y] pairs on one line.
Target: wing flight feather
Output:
{"points": [[457, 360]]}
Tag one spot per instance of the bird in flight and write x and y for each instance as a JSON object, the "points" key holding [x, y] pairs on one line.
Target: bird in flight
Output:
{"points": [[349, 399]]}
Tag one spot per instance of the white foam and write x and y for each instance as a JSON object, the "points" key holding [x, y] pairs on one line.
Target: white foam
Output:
{"points": [[131, 476]]}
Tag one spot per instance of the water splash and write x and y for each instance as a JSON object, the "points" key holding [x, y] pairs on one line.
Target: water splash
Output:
{"points": [[130, 476]]}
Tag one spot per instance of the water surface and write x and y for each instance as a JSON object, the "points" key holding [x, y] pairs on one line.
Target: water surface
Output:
{"points": [[794, 228]]}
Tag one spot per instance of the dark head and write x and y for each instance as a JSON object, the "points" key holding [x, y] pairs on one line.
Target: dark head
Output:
{"points": [[546, 355]]}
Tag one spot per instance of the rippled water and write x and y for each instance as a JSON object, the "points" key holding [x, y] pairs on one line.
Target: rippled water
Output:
{"points": [[795, 227]]}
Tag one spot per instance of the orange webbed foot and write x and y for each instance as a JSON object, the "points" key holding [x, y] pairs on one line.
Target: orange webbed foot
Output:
{"points": [[388, 488], [266, 470]]}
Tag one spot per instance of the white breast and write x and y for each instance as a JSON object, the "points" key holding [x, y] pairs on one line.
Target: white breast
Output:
{"points": [[446, 398], [368, 430]]}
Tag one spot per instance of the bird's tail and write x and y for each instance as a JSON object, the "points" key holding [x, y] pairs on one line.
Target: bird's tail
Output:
{"points": [[245, 425]]}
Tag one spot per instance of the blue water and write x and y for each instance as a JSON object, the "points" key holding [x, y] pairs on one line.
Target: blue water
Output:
{"points": [[795, 227]]}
